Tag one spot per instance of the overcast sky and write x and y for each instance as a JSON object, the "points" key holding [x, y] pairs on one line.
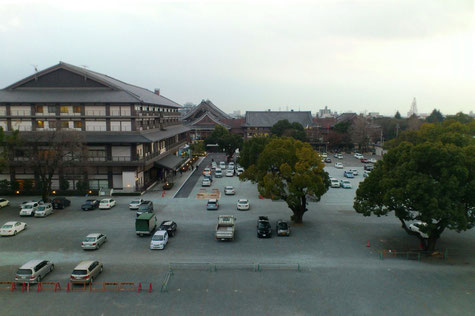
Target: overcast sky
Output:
{"points": [[372, 55]]}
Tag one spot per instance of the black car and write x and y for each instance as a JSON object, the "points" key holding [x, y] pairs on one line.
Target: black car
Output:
{"points": [[169, 226], [145, 207], [264, 228], [60, 203], [90, 205]]}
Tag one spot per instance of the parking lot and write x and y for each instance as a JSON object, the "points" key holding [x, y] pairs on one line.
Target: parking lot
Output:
{"points": [[339, 273]]}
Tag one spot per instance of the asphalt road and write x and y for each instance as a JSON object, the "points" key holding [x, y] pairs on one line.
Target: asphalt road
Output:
{"points": [[339, 274]]}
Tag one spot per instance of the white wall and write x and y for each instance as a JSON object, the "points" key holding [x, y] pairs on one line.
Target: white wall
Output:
{"points": [[21, 125], [96, 125], [117, 180], [128, 180], [3, 110], [20, 110], [95, 110]]}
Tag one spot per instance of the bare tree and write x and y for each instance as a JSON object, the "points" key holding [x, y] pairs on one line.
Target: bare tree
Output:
{"points": [[359, 131], [50, 153]]}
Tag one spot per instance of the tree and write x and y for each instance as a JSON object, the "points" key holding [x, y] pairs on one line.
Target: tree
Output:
{"points": [[428, 176], [435, 117], [251, 149], [53, 153], [460, 117], [226, 141], [290, 170], [359, 131], [284, 128], [397, 116]]}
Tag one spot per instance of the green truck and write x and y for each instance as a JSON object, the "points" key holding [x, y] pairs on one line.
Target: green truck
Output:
{"points": [[145, 224]]}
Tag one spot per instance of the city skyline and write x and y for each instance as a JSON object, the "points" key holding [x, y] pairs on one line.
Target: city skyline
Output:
{"points": [[352, 56]]}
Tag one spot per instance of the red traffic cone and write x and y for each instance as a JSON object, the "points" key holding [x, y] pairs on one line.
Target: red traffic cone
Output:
{"points": [[150, 288], [367, 244], [67, 287], [39, 287], [421, 246], [140, 287]]}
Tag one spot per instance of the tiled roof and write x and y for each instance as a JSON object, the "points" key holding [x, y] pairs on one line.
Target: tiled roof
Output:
{"points": [[269, 118]]}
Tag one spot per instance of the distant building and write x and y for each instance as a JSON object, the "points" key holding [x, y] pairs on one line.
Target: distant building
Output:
{"points": [[325, 113], [202, 119], [259, 123]]}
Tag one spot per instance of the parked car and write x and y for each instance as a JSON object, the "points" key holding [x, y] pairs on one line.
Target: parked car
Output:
{"points": [[218, 173], [339, 165], [159, 240], [44, 210], [369, 167], [231, 165], [239, 171], [364, 160], [282, 228], [416, 227], [345, 184], [28, 209], [372, 160], [12, 228], [33, 271], [230, 173], [358, 156], [134, 205], [169, 226], [264, 228], [107, 204], [206, 171], [212, 205], [334, 183], [328, 160], [354, 171], [4, 202], [229, 190], [348, 174], [206, 182], [214, 165], [366, 173], [324, 155], [60, 202], [26, 202], [145, 207], [93, 241], [339, 156], [90, 205], [86, 272], [243, 204], [222, 165]]}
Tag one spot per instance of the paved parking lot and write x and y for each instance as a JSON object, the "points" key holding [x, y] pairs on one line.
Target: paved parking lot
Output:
{"points": [[339, 274]]}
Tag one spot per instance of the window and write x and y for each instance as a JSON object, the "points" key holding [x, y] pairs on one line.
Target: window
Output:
{"points": [[77, 124], [64, 109], [51, 109], [64, 124], [77, 109], [39, 109], [52, 124], [40, 124]]}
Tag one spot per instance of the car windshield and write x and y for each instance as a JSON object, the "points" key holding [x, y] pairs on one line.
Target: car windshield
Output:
{"points": [[105, 201], [42, 208], [28, 206], [211, 203], [90, 239], [263, 225], [135, 202], [283, 226], [143, 207], [7, 226], [24, 272], [79, 272], [157, 237], [242, 201], [229, 188]]}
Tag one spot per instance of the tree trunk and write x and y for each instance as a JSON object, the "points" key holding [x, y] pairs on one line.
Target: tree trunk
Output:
{"points": [[429, 245], [299, 210]]}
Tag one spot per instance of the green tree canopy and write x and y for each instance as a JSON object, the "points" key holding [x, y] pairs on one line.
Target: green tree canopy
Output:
{"points": [[251, 149], [290, 170], [435, 117], [225, 140], [397, 116], [284, 128], [428, 176]]}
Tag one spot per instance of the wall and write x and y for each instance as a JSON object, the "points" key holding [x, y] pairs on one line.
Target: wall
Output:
{"points": [[128, 180]]}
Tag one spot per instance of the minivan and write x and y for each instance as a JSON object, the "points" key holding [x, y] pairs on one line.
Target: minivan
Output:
{"points": [[86, 271], [33, 271]]}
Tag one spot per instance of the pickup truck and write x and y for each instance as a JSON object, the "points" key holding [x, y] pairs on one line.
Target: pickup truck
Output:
{"points": [[225, 227]]}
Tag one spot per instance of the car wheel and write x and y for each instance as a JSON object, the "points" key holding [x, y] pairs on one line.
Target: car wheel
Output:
{"points": [[14, 233], [52, 268], [102, 268]]}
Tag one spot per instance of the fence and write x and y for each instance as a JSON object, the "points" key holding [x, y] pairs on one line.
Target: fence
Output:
{"points": [[412, 255], [213, 267]]}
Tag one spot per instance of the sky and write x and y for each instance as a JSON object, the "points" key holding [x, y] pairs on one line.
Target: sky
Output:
{"points": [[349, 55]]}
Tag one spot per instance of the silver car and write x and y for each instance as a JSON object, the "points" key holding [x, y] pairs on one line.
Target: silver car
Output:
{"points": [[93, 241], [34, 271], [86, 272], [44, 210]]}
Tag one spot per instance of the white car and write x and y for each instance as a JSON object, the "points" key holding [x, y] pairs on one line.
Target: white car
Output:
{"points": [[354, 171], [134, 205], [231, 165], [230, 173], [222, 165], [334, 183], [339, 156], [324, 155], [44, 210], [415, 227], [345, 184], [93, 241], [229, 190], [107, 204], [366, 173], [372, 160], [12, 228], [159, 240], [4, 202], [214, 165], [206, 183], [339, 165], [243, 204], [218, 173], [29, 209], [239, 171], [358, 156]]}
